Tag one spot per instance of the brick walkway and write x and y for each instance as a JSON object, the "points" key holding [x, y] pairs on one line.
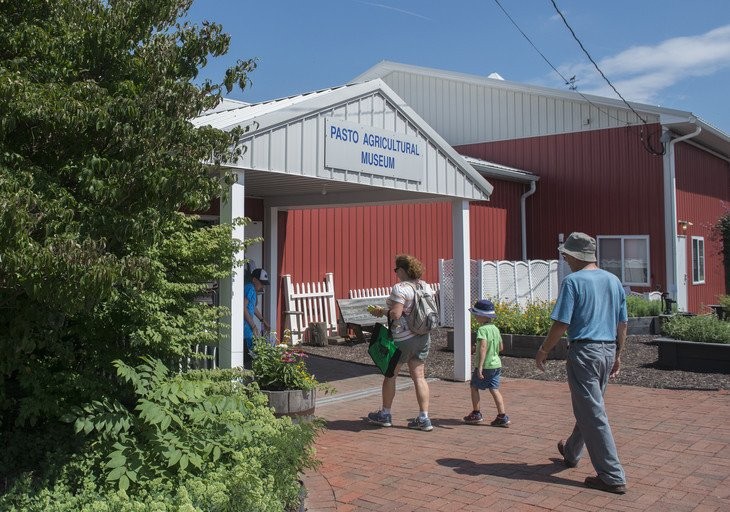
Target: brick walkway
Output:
{"points": [[675, 447]]}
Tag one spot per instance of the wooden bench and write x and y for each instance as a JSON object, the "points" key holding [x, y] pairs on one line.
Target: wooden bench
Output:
{"points": [[354, 314]]}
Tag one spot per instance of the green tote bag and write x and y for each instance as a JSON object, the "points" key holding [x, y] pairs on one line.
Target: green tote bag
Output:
{"points": [[383, 351]]}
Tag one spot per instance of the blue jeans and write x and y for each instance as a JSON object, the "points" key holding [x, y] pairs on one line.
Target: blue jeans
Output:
{"points": [[589, 365]]}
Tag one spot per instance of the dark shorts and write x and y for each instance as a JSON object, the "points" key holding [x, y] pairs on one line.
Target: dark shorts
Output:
{"points": [[490, 380]]}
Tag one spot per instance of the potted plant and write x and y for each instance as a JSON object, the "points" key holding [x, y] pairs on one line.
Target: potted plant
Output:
{"points": [[283, 377]]}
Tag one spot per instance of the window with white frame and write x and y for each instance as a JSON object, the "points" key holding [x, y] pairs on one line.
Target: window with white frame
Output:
{"points": [[698, 260], [627, 257]]}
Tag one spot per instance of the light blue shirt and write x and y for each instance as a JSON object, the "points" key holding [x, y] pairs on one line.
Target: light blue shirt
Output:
{"points": [[592, 303]]}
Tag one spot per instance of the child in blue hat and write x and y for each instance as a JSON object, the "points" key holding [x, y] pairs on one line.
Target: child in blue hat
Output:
{"points": [[489, 368]]}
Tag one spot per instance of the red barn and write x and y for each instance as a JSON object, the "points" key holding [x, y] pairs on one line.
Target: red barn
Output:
{"points": [[648, 182]]}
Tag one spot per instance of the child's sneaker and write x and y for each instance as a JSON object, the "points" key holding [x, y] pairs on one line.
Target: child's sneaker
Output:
{"points": [[474, 417], [380, 418], [500, 422], [421, 424]]}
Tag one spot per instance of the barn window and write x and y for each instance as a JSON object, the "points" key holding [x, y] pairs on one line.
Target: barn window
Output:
{"points": [[698, 260], [627, 257]]}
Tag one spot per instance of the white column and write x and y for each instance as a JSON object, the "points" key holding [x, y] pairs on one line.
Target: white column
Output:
{"points": [[271, 259], [462, 290], [670, 222], [230, 350], [670, 217]]}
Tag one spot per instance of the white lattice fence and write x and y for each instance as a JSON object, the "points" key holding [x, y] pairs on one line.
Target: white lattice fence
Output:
{"points": [[502, 281], [309, 302]]}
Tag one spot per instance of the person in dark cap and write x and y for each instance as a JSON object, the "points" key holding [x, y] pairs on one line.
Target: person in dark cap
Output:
{"points": [[591, 307], [259, 279], [488, 369]]}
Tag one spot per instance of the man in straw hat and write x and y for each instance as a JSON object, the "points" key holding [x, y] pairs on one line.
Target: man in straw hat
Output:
{"points": [[591, 307]]}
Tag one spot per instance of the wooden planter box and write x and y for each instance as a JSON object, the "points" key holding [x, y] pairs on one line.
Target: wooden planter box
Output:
{"points": [[450, 340], [519, 345], [642, 325], [292, 402], [693, 355]]}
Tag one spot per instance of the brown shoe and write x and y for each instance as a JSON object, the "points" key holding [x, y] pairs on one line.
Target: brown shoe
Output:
{"points": [[594, 482], [561, 449]]}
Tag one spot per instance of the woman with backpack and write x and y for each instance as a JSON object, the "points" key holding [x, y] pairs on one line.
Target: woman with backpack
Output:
{"points": [[413, 347]]}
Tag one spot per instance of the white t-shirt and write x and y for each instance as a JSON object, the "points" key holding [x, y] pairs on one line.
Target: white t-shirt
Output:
{"points": [[404, 293]]}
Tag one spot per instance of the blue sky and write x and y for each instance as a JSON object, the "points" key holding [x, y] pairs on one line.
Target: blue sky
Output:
{"points": [[663, 52]]}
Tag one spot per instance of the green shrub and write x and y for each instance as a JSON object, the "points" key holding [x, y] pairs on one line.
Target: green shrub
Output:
{"points": [[724, 301], [204, 440], [639, 306], [705, 328], [533, 320]]}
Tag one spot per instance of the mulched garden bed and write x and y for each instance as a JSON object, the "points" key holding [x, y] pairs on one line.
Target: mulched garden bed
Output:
{"points": [[638, 365]]}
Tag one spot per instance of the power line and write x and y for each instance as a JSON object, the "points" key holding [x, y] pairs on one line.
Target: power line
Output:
{"points": [[594, 62], [567, 82], [571, 82]]}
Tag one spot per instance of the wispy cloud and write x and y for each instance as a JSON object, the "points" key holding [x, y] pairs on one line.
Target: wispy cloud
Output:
{"points": [[642, 73], [390, 7]]}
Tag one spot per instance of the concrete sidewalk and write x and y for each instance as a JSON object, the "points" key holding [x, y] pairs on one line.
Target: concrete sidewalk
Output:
{"points": [[675, 447]]}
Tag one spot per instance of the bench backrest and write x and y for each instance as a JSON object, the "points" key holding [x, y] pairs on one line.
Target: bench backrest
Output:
{"points": [[354, 311]]}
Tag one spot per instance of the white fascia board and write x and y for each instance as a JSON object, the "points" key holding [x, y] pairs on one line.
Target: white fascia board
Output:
{"points": [[689, 118], [501, 171]]}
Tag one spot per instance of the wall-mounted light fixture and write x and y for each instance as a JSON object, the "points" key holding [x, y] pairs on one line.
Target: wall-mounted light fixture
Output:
{"points": [[684, 224], [324, 189]]}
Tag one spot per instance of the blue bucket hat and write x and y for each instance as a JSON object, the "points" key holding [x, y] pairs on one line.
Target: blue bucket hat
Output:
{"points": [[484, 307]]}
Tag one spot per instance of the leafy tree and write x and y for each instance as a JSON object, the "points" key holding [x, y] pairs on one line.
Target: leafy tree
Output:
{"points": [[721, 232], [97, 162]]}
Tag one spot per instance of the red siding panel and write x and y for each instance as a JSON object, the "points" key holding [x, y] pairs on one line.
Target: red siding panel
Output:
{"points": [[358, 244], [601, 182], [703, 195]]}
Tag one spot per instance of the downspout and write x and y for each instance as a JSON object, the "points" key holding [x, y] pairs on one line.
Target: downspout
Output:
{"points": [[670, 217], [523, 218]]}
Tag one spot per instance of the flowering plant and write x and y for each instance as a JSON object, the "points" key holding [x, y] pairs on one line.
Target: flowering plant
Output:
{"points": [[278, 368]]}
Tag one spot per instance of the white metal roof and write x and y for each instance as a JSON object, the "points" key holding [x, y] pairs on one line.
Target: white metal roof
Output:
{"points": [[495, 170], [284, 158], [548, 110]]}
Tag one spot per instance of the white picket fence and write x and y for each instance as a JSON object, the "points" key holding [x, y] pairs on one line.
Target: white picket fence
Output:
{"points": [[383, 292], [309, 302], [500, 281], [380, 292]]}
